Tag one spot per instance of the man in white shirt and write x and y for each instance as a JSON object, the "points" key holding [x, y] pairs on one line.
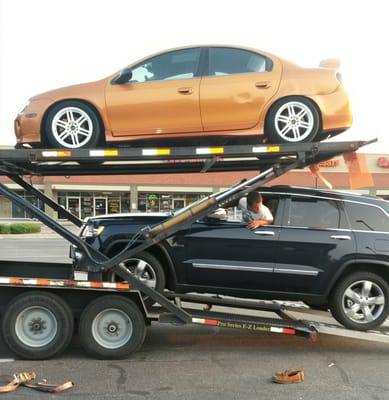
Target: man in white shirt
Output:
{"points": [[256, 214]]}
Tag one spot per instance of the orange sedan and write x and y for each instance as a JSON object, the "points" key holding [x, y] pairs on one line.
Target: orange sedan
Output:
{"points": [[192, 92]]}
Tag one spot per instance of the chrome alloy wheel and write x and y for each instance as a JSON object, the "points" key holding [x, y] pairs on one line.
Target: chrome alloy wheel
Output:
{"points": [[294, 121], [72, 127], [142, 270], [363, 301]]}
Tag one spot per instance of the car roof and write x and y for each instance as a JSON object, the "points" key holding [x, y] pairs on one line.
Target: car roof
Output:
{"points": [[338, 194]]}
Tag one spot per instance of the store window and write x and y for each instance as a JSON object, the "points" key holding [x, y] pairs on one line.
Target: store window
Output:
{"points": [[160, 202], [21, 212], [88, 204]]}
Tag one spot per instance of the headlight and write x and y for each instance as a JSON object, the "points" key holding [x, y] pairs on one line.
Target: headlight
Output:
{"points": [[91, 231]]}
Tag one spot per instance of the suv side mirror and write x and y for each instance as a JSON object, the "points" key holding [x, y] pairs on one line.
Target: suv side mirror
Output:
{"points": [[124, 76]]}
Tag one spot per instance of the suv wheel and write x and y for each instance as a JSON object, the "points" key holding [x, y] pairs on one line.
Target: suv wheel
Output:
{"points": [[147, 269], [360, 301]]}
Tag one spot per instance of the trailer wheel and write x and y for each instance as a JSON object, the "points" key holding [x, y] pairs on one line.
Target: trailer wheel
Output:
{"points": [[292, 120], [73, 125], [37, 325], [112, 327]]}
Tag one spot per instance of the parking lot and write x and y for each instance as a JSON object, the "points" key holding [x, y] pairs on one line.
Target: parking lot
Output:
{"points": [[210, 363]]}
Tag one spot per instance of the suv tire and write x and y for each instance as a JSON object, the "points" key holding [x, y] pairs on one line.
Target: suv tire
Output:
{"points": [[147, 269], [360, 301]]}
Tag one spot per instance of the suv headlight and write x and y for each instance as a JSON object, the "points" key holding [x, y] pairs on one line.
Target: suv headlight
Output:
{"points": [[91, 231]]}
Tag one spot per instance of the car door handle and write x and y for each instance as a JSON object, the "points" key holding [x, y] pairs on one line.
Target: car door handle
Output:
{"points": [[263, 85], [340, 237], [185, 90], [264, 233]]}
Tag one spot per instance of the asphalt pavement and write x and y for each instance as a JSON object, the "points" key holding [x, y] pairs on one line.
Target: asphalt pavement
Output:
{"points": [[192, 363]]}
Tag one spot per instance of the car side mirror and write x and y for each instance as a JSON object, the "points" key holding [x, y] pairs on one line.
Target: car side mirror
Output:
{"points": [[124, 76]]}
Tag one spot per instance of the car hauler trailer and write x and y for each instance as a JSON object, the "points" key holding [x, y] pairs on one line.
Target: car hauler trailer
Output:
{"points": [[39, 301]]}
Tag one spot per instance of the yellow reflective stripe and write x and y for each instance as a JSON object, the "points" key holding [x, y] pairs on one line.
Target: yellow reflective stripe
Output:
{"points": [[155, 152], [103, 153], [266, 149], [62, 153], [210, 150]]}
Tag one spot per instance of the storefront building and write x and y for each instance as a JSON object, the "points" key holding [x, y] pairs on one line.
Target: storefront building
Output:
{"points": [[86, 196]]}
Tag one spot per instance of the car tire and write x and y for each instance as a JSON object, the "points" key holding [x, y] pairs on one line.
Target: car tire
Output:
{"points": [[360, 301], [112, 327], [37, 325], [73, 125], [292, 120], [149, 271]]}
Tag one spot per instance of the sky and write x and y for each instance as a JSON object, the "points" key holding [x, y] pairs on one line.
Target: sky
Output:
{"points": [[45, 44]]}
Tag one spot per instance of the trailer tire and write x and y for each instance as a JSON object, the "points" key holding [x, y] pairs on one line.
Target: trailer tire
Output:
{"points": [[112, 327], [360, 301], [37, 325]]}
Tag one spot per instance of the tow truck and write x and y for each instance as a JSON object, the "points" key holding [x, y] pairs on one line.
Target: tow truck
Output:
{"points": [[40, 301]]}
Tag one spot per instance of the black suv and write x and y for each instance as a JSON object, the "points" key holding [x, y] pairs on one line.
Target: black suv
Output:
{"points": [[329, 249]]}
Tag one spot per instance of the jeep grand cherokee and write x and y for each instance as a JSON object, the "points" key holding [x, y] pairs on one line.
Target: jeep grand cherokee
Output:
{"points": [[326, 248]]}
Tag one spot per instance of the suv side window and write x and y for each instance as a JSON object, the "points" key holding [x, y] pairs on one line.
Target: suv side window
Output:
{"points": [[314, 213], [365, 217]]}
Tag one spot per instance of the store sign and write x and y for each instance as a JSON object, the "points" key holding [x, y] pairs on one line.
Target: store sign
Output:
{"points": [[329, 163], [383, 162]]}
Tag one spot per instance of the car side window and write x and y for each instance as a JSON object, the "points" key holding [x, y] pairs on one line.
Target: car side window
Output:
{"points": [[226, 61], [179, 64], [364, 217], [314, 213], [271, 201]]}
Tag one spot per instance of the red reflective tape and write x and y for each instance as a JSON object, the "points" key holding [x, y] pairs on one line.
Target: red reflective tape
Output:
{"points": [[211, 322], [65, 283], [289, 331]]}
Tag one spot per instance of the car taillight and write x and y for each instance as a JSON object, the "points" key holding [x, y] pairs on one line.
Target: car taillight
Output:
{"points": [[92, 231]]}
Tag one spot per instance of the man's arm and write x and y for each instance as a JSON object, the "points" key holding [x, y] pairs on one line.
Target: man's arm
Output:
{"points": [[266, 218]]}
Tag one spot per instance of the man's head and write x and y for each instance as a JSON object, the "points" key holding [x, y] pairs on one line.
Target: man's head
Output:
{"points": [[254, 201]]}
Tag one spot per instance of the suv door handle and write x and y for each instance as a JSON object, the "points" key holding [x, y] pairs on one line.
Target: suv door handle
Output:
{"points": [[264, 233], [340, 237]]}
